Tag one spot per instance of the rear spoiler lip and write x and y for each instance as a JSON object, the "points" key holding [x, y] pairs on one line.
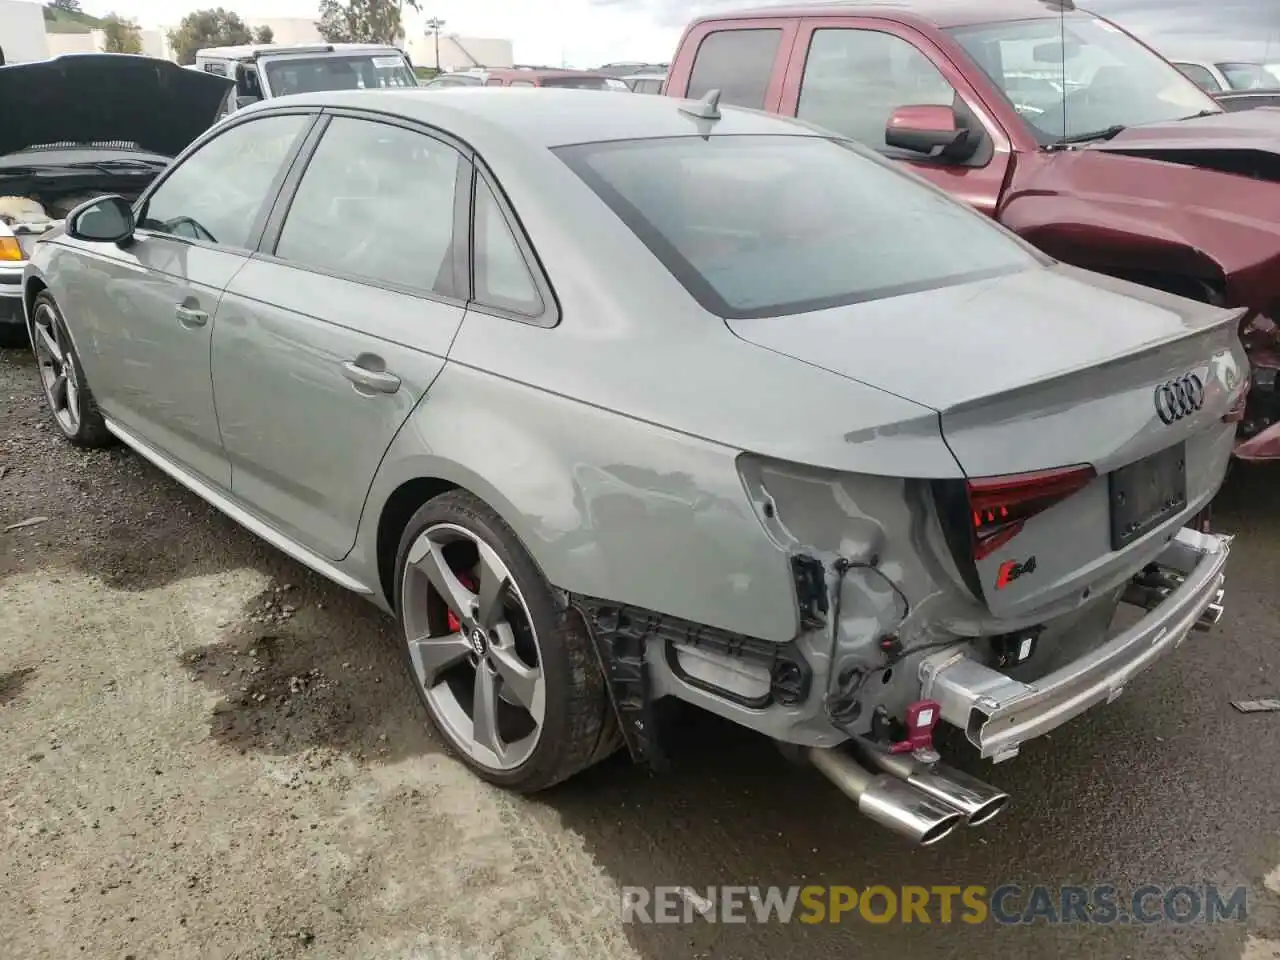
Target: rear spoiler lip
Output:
{"points": [[1230, 316]]}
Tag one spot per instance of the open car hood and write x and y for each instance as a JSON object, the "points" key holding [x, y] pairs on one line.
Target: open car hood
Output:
{"points": [[104, 97]]}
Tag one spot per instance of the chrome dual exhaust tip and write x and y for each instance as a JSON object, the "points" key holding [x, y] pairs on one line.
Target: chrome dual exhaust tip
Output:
{"points": [[903, 808], [976, 800]]}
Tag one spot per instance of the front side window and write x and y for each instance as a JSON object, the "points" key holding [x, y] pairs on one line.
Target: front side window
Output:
{"points": [[292, 74], [855, 79], [217, 193], [376, 203], [765, 226], [738, 63], [1093, 77]]}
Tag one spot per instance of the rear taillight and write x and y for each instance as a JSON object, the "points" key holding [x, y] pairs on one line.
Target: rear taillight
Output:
{"points": [[1235, 413], [999, 506]]}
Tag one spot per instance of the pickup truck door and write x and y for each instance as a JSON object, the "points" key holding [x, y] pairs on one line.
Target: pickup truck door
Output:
{"points": [[849, 74]]}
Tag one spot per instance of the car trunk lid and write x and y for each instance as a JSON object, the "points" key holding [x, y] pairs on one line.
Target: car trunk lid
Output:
{"points": [[1050, 385]]}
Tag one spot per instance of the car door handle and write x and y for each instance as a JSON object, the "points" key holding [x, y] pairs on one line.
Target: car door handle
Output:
{"points": [[190, 317], [379, 381]]}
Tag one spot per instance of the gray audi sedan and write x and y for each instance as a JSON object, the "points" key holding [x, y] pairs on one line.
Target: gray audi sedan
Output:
{"points": [[615, 401]]}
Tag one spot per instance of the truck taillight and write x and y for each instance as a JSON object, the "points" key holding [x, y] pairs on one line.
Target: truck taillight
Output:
{"points": [[1000, 506]]}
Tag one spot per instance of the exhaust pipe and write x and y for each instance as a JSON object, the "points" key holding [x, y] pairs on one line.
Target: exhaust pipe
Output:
{"points": [[887, 800], [1212, 613], [1151, 588], [976, 800]]}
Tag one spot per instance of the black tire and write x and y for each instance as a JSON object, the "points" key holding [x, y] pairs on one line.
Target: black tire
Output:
{"points": [[579, 728], [91, 430]]}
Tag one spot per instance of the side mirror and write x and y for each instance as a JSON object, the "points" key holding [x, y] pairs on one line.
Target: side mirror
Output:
{"points": [[103, 220], [931, 130]]}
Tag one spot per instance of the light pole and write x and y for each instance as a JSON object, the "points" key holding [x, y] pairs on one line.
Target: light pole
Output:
{"points": [[434, 25]]}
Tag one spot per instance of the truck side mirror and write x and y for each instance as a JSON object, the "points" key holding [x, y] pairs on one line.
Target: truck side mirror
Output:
{"points": [[932, 130]]}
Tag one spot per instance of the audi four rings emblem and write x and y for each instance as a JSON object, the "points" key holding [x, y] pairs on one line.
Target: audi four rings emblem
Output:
{"points": [[1179, 398]]}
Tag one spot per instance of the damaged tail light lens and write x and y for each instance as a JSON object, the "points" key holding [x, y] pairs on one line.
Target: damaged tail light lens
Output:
{"points": [[1000, 506]]}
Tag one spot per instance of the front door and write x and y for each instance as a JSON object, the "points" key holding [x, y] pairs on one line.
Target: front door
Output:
{"points": [[327, 340], [849, 75], [153, 327]]}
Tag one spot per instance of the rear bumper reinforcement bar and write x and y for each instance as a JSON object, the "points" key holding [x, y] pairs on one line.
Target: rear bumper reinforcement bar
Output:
{"points": [[998, 713]]}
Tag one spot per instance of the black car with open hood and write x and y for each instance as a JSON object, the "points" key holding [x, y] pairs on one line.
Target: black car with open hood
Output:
{"points": [[79, 126], [107, 98]]}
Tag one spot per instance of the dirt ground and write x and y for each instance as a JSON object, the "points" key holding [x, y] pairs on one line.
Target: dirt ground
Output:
{"points": [[207, 751]]}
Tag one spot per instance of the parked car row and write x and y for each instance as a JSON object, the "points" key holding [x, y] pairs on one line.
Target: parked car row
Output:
{"points": [[1096, 169]]}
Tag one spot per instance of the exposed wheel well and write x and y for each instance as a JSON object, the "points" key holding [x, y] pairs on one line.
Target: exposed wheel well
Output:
{"points": [[33, 290], [399, 508]]}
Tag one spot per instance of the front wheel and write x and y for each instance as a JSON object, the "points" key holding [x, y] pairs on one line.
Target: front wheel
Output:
{"points": [[506, 672], [70, 400]]}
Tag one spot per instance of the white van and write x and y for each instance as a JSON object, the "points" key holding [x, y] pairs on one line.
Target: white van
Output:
{"points": [[262, 71]]}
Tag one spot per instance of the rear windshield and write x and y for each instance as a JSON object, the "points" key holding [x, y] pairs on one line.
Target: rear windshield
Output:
{"points": [[757, 226]]}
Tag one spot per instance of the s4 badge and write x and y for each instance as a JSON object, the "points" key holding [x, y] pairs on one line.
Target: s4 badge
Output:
{"points": [[1011, 570]]}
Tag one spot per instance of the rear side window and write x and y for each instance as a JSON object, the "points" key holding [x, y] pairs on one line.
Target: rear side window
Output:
{"points": [[502, 276], [376, 203], [738, 63], [758, 226]]}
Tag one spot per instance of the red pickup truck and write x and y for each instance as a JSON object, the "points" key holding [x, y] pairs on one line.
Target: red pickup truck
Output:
{"points": [[1056, 122]]}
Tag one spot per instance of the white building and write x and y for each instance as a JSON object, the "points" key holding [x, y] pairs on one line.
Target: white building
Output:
{"points": [[22, 32], [459, 53], [154, 43], [289, 29]]}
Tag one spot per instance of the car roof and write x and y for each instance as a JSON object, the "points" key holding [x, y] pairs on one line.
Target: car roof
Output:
{"points": [[937, 13], [250, 50], [548, 117]]}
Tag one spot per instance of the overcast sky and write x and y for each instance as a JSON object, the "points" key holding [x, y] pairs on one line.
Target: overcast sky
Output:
{"points": [[588, 32]]}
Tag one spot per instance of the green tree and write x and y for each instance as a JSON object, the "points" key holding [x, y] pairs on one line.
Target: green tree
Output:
{"points": [[263, 34], [363, 21], [70, 6], [120, 35], [218, 27]]}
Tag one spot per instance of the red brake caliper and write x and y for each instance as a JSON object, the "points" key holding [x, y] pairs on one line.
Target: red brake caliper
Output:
{"points": [[469, 582]]}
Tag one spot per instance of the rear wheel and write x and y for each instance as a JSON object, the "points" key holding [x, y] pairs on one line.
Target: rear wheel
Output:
{"points": [[506, 672], [70, 400]]}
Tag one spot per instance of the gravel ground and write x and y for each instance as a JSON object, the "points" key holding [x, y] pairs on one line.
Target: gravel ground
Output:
{"points": [[208, 751]]}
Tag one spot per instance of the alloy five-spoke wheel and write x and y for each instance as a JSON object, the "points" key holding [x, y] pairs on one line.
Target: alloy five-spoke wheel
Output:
{"points": [[57, 369], [473, 646], [506, 670], [61, 376]]}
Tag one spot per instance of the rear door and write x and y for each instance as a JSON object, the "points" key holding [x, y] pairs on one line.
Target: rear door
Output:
{"points": [[849, 75], [744, 59], [330, 336]]}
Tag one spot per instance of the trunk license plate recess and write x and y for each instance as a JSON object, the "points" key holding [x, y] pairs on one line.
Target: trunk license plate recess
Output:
{"points": [[1146, 494]]}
